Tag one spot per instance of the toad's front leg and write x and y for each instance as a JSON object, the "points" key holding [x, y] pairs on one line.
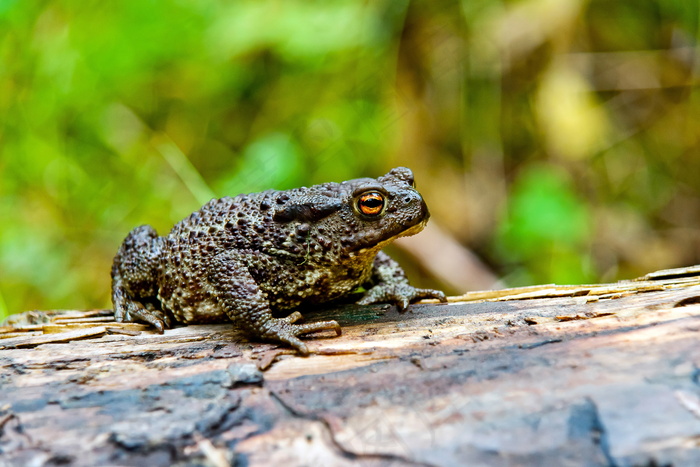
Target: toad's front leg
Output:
{"points": [[245, 304], [389, 284]]}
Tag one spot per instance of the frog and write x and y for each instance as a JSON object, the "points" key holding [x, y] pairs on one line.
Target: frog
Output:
{"points": [[252, 258]]}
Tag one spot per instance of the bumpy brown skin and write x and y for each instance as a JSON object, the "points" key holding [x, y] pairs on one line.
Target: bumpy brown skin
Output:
{"points": [[241, 258]]}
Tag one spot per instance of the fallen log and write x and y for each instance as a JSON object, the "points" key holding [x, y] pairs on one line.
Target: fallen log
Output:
{"points": [[549, 375]]}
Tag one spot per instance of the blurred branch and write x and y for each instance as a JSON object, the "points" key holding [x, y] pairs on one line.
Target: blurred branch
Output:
{"points": [[635, 70], [182, 166], [447, 260]]}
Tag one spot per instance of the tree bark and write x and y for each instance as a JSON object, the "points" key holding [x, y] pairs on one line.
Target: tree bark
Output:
{"points": [[579, 375]]}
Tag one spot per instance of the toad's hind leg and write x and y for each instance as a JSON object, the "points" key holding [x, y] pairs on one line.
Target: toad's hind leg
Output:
{"points": [[134, 279], [246, 305]]}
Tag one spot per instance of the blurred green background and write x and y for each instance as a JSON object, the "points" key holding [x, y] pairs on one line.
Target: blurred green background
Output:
{"points": [[557, 140]]}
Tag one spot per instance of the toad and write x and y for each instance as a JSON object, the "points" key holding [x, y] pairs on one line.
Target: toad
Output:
{"points": [[242, 258]]}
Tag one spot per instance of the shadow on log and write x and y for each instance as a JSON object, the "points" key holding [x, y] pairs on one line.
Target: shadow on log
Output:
{"points": [[548, 375]]}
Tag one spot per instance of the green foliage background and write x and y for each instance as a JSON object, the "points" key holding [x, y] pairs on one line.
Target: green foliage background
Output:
{"points": [[558, 139]]}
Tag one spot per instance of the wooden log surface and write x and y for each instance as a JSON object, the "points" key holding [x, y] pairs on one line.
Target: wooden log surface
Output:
{"points": [[562, 376]]}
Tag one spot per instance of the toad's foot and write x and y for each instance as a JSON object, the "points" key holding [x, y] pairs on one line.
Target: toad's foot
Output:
{"points": [[401, 294], [129, 311], [283, 330]]}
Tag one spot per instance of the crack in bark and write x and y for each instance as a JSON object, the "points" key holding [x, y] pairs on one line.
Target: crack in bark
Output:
{"points": [[342, 450], [540, 344], [599, 433], [13, 436]]}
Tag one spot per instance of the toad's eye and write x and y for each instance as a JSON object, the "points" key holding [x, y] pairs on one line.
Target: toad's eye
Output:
{"points": [[371, 203]]}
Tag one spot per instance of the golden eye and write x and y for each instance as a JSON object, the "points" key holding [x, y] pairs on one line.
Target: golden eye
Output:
{"points": [[371, 204]]}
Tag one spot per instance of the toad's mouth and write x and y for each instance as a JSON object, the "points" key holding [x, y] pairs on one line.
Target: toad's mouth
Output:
{"points": [[380, 239], [414, 229]]}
